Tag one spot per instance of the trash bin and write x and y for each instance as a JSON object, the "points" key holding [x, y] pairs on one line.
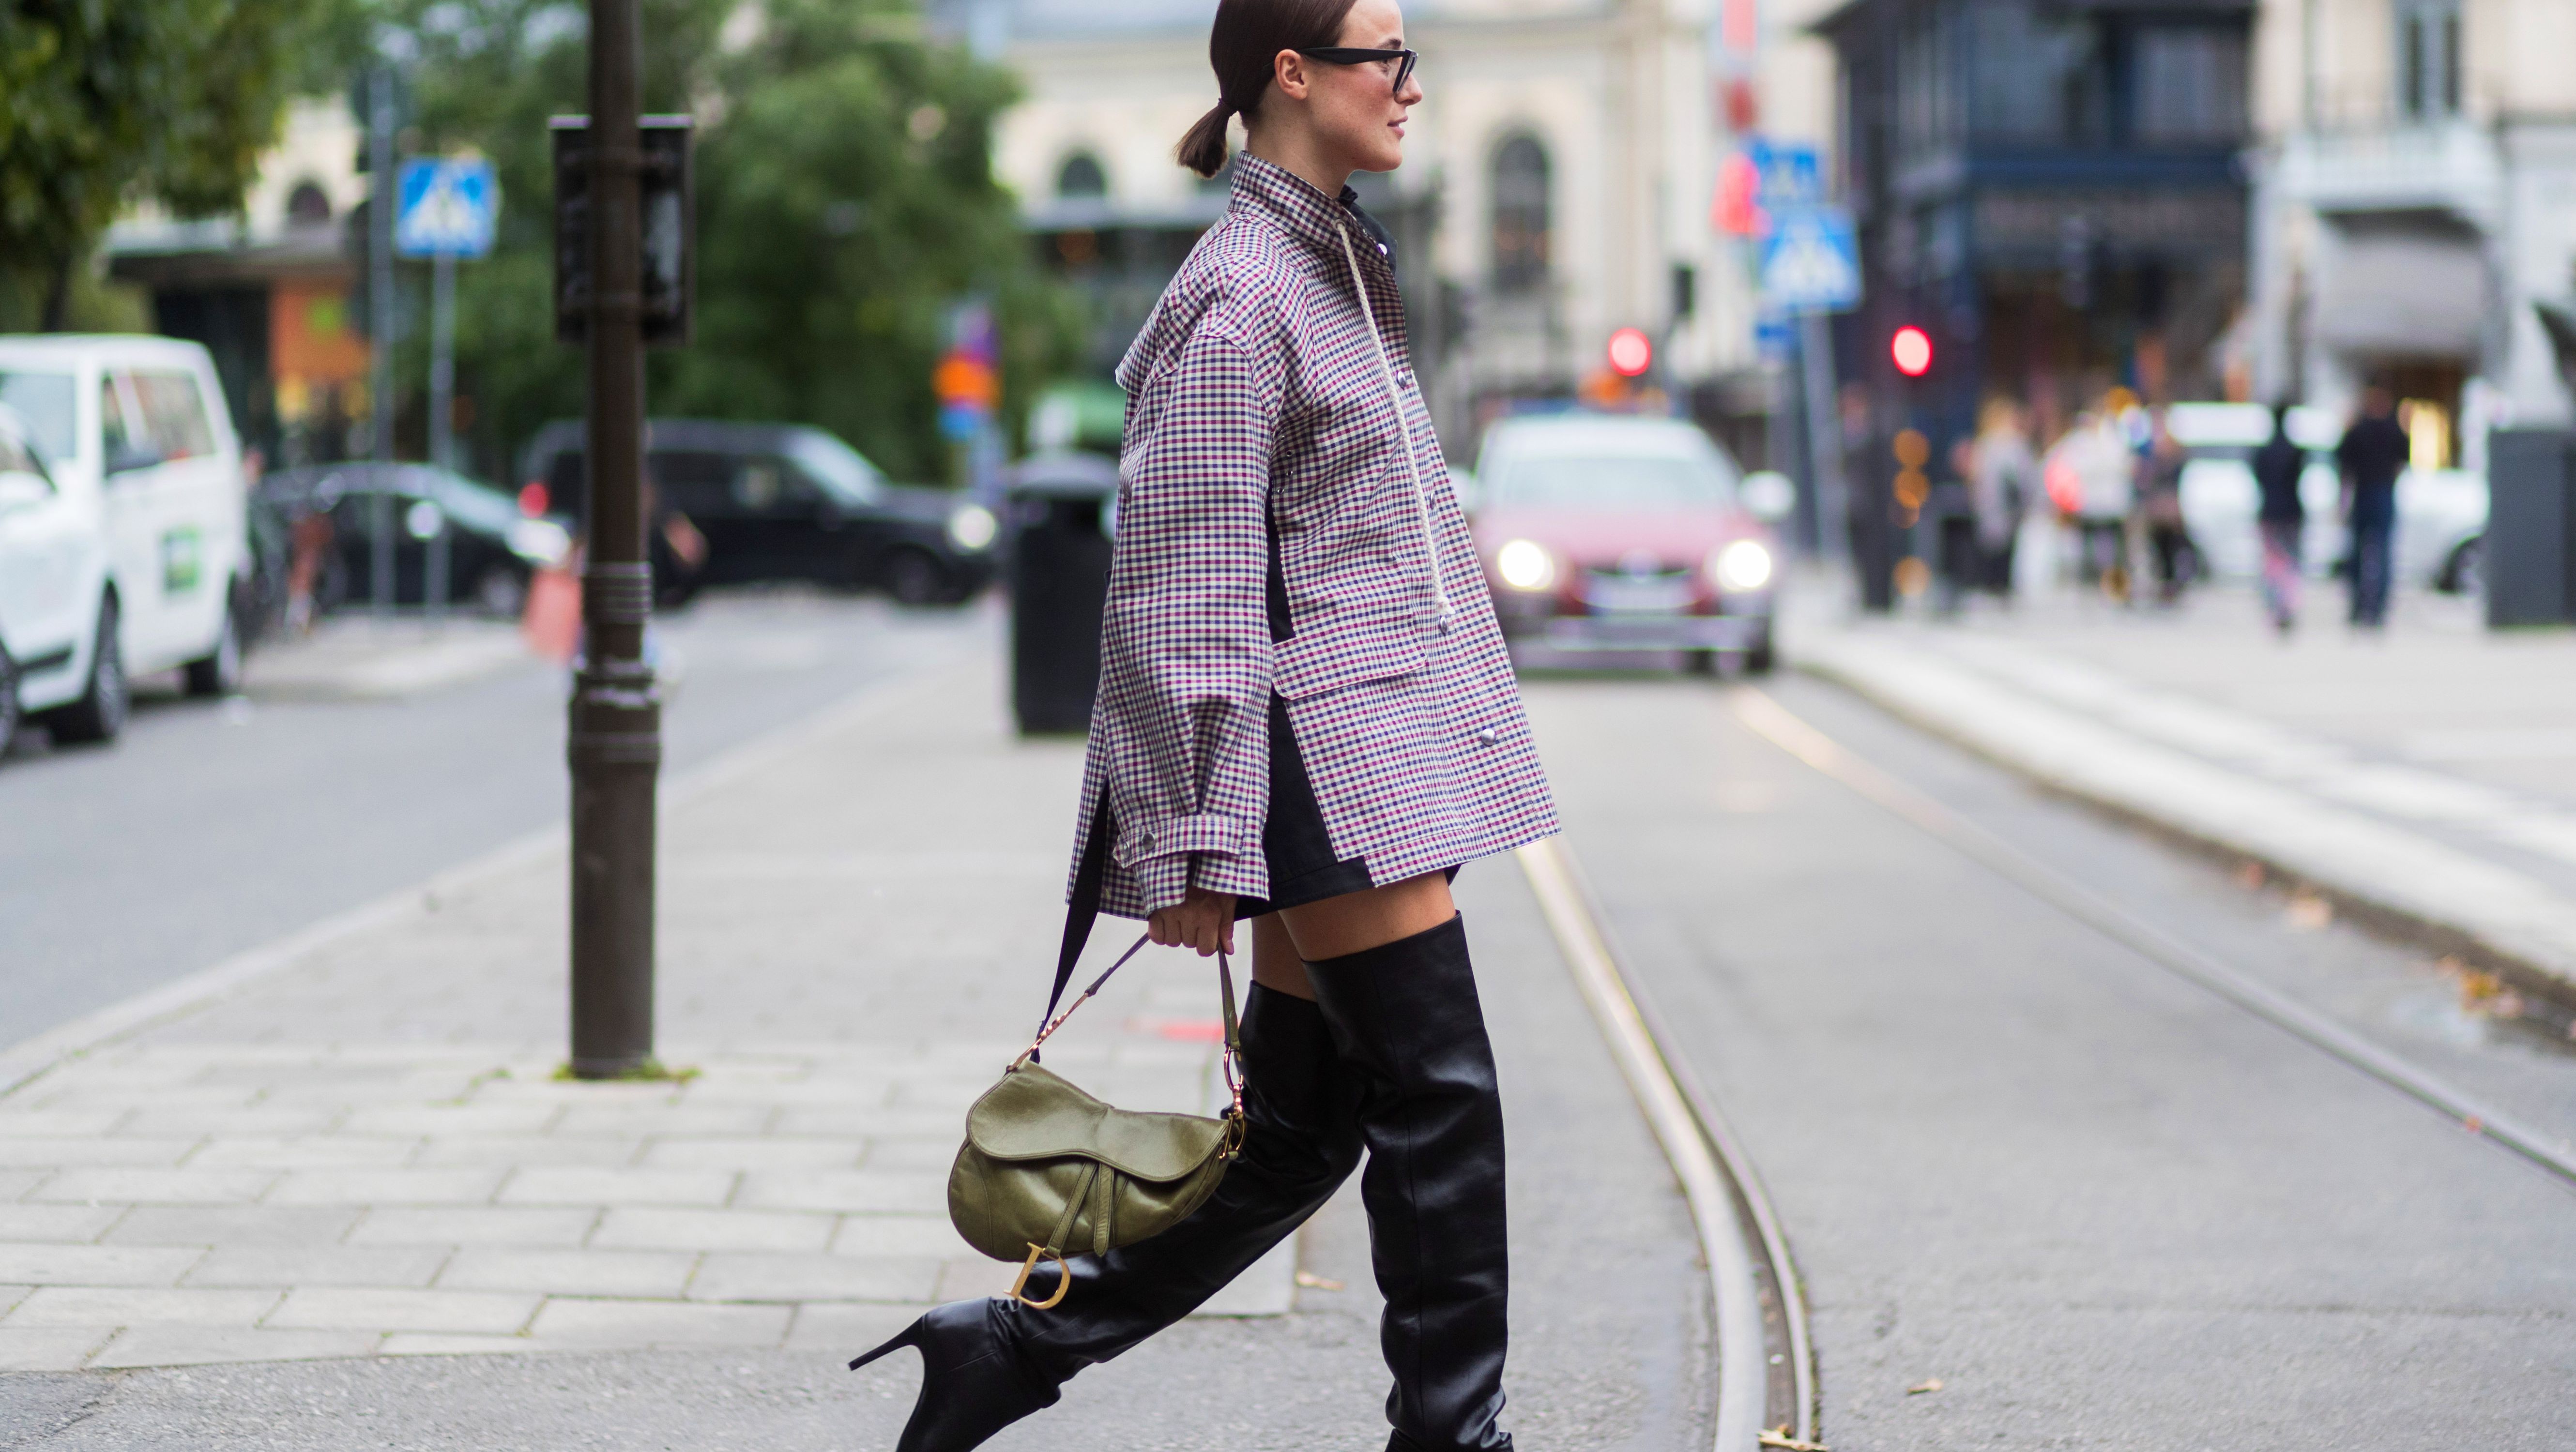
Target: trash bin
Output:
{"points": [[1059, 506], [2529, 547]]}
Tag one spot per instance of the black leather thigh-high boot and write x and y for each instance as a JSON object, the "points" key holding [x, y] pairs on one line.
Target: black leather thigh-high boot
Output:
{"points": [[1301, 1140], [989, 1363], [1406, 1016]]}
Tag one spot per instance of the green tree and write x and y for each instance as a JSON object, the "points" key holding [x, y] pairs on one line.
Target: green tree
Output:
{"points": [[485, 75], [103, 102], [845, 203]]}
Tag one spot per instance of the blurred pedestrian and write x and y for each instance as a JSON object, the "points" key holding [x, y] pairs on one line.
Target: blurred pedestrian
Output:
{"points": [[308, 558], [2092, 472], [2281, 519], [2003, 479], [1287, 527], [1951, 509], [2371, 455], [2160, 517], [1867, 500], [675, 549]]}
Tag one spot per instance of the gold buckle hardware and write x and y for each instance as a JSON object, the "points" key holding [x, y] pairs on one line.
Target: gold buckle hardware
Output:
{"points": [[1063, 1280]]}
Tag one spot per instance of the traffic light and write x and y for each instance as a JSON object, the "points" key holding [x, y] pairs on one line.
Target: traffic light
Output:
{"points": [[1911, 350], [1631, 353]]}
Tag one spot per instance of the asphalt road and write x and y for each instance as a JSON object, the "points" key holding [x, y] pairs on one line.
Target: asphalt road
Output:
{"points": [[2071, 1198], [2097, 1205], [212, 827]]}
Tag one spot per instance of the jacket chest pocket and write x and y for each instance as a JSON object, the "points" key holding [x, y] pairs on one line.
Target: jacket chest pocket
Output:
{"points": [[1340, 654]]}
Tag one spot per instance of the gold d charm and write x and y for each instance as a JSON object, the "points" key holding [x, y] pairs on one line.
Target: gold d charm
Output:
{"points": [[1063, 1280]]}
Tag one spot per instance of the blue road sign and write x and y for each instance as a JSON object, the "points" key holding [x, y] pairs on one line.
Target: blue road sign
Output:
{"points": [[1789, 174], [448, 207], [1811, 261], [1774, 335]]}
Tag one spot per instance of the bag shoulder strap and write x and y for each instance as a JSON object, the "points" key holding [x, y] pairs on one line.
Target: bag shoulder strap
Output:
{"points": [[1080, 914], [1083, 909]]}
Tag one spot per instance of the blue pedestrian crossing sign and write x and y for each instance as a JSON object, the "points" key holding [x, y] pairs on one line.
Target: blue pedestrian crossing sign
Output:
{"points": [[1811, 261], [1788, 174], [448, 207]]}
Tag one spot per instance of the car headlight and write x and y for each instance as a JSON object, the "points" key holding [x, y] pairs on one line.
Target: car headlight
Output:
{"points": [[539, 541], [1743, 565], [972, 527], [1525, 564]]}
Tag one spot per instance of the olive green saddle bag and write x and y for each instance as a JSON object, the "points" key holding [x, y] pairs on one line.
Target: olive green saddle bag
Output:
{"points": [[1048, 1170]]}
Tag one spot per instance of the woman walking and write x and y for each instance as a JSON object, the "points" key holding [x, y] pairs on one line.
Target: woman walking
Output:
{"points": [[1306, 718], [2002, 480], [2281, 519]]}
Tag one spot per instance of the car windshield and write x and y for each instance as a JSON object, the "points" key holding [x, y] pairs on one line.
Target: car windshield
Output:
{"points": [[1611, 474], [840, 469], [468, 501], [44, 400]]}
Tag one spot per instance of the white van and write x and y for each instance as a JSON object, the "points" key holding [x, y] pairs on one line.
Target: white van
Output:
{"points": [[144, 475]]}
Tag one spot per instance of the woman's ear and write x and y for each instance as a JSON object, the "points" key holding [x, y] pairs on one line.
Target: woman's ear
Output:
{"points": [[1288, 73]]}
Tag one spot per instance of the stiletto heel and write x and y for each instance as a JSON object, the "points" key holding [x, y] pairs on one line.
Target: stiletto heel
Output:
{"points": [[972, 1381], [908, 1336]]}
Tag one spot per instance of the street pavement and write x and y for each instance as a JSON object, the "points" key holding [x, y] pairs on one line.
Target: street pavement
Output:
{"points": [[2043, 1192], [2427, 773], [349, 1203], [213, 827]]}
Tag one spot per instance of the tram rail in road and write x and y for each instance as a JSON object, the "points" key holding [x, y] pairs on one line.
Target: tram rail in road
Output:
{"points": [[1767, 718], [1771, 1399], [1767, 1399]]}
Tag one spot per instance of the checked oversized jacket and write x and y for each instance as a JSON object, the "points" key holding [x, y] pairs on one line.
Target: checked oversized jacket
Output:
{"points": [[1271, 398]]}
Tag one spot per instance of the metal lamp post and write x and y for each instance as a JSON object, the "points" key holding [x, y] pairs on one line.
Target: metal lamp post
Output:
{"points": [[614, 746]]}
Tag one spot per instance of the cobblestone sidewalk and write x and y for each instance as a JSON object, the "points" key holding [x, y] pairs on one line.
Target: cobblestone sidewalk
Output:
{"points": [[367, 1152]]}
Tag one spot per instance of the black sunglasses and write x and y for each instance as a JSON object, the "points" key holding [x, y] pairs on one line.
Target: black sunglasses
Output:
{"points": [[1347, 55]]}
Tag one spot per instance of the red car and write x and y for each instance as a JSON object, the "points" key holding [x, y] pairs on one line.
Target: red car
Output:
{"points": [[1614, 532]]}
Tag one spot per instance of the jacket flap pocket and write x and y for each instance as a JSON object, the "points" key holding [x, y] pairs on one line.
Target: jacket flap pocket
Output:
{"points": [[1035, 1115], [1320, 660]]}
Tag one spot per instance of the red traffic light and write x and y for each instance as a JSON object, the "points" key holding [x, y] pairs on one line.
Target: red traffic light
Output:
{"points": [[1911, 348], [1631, 353]]}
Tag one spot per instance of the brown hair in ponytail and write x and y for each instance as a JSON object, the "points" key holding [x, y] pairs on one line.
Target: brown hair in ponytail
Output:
{"points": [[1243, 46]]}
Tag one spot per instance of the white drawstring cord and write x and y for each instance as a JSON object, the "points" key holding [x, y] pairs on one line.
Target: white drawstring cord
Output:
{"points": [[1403, 424]]}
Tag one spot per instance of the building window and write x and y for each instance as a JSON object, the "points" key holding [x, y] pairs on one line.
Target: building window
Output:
{"points": [[1520, 215], [1081, 176], [2191, 85], [307, 206], [2428, 58], [2036, 76], [1928, 62]]}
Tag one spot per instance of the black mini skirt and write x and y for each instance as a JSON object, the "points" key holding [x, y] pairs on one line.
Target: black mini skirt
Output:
{"points": [[1299, 850]]}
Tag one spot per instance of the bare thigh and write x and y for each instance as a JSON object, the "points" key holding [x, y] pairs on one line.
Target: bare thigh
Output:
{"points": [[1284, 942]]}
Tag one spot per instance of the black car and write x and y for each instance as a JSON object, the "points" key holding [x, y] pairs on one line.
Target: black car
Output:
{"points": [[784, 502], [493, 546]]}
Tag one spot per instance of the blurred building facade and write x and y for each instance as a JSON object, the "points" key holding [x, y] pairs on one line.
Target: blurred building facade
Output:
{"points": [[2051, 189], [2415, 210], [1557, 187], [269, 291]]}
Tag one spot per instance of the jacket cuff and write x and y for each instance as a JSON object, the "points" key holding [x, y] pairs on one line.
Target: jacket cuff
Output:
{"points": [[1176, 837]]}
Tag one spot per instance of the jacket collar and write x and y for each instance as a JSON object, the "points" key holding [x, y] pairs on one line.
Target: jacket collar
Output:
{"points": [[1290, 202]]}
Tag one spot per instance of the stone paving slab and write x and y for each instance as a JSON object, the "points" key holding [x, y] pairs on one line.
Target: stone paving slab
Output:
{"points": [[368, 1152]]}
